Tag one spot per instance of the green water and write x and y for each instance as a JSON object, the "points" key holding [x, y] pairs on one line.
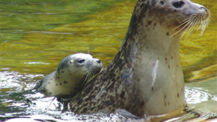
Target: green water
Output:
{"points": [[36, 34]]}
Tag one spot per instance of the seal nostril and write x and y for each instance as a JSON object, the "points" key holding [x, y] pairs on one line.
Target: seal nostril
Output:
{"points": [[203, 8], [178, 4]]}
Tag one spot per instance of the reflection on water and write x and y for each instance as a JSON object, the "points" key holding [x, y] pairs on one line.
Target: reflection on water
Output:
{"points": [[16, 82], [203, 96], [36, 35]]}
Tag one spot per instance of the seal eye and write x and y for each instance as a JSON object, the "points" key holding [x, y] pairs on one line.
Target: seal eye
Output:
{"points": [[98, 61], [81, 61], [178, 4], [161, 2]]}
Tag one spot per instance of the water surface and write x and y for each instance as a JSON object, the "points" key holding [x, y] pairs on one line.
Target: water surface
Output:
{"points": [[36, 34]]}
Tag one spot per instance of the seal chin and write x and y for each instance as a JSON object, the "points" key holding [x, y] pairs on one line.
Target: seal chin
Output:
{"points": [[97, 70]]}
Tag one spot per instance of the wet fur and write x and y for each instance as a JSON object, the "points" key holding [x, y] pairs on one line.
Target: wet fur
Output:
{"points": [[127, 81]]}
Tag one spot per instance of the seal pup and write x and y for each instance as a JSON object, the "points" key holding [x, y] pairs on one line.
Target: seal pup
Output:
{"points": [[145, 76], [71, 74]]}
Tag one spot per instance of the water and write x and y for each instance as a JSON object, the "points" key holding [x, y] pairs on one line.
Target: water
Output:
{"points": [[35, 35]]}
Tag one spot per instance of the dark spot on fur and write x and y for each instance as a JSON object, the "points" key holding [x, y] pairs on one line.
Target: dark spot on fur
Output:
{"points": [[108, 103], [122, 95], [141, 6], [165, 104], [142, 103], [85, 104], [65, 82], [178, 95], [155, 24], [92, 108], [85, 109], [167, 33], [149, 22], [80, 101], [143, 10], [112, 99], [112, 84]]}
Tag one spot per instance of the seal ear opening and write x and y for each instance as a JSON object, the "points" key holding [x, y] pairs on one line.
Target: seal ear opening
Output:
{"points": [[71, 61]]}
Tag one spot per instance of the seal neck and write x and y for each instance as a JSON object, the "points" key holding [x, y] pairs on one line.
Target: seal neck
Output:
{"points": [[146, 63], [148, 36]]}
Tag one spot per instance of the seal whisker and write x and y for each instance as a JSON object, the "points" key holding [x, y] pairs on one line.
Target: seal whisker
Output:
{"points": [[189, 29], [184, 22], [193, 25], [198, 24], [184, 26], [204, 24], [181, 29]]}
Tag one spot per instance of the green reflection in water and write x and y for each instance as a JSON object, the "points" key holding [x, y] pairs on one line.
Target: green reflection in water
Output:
{"points": [[36, 34], [36, 48], [43, 32], [199, 53]]}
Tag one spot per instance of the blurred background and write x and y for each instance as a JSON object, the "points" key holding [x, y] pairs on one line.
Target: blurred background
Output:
{"points": [[35, 35]]}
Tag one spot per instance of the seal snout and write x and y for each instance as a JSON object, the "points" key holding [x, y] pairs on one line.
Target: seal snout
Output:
{"points": [[204, 12], [97, 62], [199, 10], [98, 66]]}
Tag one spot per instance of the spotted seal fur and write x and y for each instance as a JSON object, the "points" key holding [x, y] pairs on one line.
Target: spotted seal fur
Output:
{"points": [[145, 77], [71, 74]]}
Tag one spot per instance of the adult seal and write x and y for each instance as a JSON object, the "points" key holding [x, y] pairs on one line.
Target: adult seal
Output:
{"points": [[145, 76], [72, 73]]}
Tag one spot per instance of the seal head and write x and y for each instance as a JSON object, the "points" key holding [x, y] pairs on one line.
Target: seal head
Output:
{"points": [[72, 73]]}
